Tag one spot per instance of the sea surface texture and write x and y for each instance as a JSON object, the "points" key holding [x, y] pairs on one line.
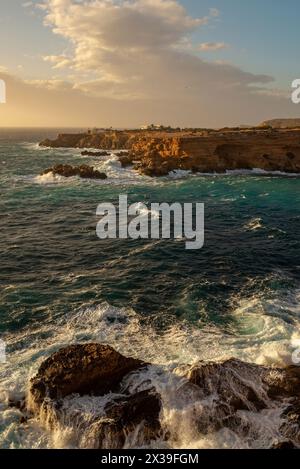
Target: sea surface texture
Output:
{"points": [[151, 299]]}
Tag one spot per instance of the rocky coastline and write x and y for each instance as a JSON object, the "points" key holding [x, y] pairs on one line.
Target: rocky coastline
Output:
{"points": [[204, 151], [126, 408]]}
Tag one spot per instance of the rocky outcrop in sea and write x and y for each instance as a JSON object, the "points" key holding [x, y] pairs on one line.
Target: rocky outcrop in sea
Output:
{"points": [[106, 400], [83, 171]]}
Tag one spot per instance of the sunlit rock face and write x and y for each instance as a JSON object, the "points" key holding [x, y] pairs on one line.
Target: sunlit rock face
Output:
{"points": [[158, 153]]}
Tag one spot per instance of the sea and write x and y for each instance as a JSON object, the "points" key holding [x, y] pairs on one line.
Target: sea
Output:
{"points": [[237, 297]]}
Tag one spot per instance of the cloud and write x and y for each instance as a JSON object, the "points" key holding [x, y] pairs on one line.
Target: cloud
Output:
{"points": [[129, 25], [131, 62], [58, 61], [51, 84], [55, 103], [132, 49], [212, 46]]}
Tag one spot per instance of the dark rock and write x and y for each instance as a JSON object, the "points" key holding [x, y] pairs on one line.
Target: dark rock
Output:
{"points": [[18, 404], [136, 413], [291, 421], [83, 369], [83, 171], [125, 161], [284, 445], [234, 382], [236, 386], [95, 153], [285, 383]]}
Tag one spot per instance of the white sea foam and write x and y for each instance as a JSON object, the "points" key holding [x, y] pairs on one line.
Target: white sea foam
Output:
{"points": [[110, 165], [254, 224], [248, 172], [179, 174], [258, 172], [262, 331], [49, 178]]}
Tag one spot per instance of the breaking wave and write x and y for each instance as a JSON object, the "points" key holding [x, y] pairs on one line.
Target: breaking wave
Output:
{"points": [[260, 334]]}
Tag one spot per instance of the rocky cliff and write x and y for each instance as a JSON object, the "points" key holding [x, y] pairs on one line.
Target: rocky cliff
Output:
{"points": [[104, 140], [158, 153], [218, 152]]}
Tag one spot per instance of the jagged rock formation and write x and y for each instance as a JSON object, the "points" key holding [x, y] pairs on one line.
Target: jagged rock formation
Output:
{"points": [[238, 387], [83, 171], [231, 395], [158, 153]]}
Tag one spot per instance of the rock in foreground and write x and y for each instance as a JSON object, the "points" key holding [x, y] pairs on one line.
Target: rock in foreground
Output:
{"points": [[109, 401], [83, 369], [83, 171], [136, 415], [239, 388], [89, 371]]}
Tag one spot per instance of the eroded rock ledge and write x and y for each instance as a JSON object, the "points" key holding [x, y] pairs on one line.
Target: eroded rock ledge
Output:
{"points": [[110, 401], [158, 153]]}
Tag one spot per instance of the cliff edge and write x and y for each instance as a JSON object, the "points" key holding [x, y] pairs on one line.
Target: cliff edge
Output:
{"points": [[158, 153]]}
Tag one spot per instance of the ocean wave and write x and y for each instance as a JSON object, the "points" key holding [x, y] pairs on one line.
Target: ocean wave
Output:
{"points": [[110, 165], [260, 333], [260, 172], [50, 178], [254, 224], [179, 174]]}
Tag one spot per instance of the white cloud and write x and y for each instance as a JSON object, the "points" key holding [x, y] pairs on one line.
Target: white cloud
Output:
{"points": [[212, 46], [132, 48], [131, 61], [51, 84], [58, 61]]}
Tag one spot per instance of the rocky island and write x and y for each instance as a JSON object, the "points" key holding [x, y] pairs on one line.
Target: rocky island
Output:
{"points": [[156, 153], [83, 171]]}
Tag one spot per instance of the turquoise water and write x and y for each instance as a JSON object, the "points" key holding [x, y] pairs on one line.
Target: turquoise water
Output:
{"points": [[238, 296]]}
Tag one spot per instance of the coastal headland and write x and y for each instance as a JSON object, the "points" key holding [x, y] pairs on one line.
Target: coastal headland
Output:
{"points": [[157, 153]]}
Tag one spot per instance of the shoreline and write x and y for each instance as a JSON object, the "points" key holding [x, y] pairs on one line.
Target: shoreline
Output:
{"points": [[160, 153]]}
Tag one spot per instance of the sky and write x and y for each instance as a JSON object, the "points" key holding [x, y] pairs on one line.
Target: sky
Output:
{"points": [[124, 63]]}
